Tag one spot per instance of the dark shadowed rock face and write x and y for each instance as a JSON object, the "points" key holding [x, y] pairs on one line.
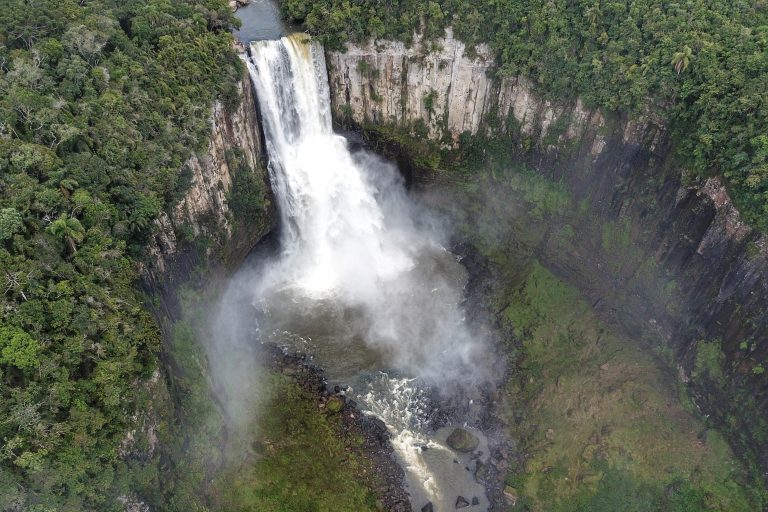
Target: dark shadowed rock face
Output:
{"points": [[671, 265], [461, 502], [685, 270]]}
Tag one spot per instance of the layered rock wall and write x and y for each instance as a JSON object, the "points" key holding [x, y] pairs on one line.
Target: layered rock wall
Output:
{"points": [[438, 83], [200, 228], [710, 270]]}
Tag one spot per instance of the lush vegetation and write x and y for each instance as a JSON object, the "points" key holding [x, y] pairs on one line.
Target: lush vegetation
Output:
{"points": [[300, 462], [600, 421], [703, 64], [101, 103]]}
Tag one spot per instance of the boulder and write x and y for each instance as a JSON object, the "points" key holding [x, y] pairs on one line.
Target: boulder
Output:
{"points": [[462, 441], [510, 494], [428, 507], [478, 468], [461, 502], [334, 404]]}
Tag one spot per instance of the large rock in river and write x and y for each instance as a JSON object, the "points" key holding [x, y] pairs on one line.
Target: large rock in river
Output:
{"points": [[462, 440]]}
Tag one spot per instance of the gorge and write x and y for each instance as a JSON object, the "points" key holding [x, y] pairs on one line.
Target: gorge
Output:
{"points": [[536, 223], [598, 180], [400, 273]]}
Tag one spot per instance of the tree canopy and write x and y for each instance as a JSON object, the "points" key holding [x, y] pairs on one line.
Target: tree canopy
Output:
{"points": [[101, 102]]}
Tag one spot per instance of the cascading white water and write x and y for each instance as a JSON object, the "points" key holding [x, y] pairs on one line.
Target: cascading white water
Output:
{"points": [[334, 224], [356, 272]]}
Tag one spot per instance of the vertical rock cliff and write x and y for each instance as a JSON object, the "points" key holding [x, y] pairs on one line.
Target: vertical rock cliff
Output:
{"points": [[451, 90], [203, 228], [709, 261], [203, 235]]}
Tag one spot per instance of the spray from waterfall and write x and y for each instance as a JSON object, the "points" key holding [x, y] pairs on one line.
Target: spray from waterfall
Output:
{"points": [[348, 227]]}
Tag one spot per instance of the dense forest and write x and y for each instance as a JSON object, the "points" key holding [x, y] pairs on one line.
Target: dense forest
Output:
{"points": [[701, 64], [101, 102]]}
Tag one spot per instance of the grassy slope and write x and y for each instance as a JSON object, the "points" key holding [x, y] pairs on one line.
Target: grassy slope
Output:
{"points": [[297, 462], [603, 424], [291, 457]]}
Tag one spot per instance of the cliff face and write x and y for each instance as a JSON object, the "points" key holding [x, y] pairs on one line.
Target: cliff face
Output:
{"points": [[195, 243], [685, 269], [201, 229], [440, 85]]}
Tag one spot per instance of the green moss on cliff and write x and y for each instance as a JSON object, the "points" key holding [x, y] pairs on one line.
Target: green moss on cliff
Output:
{"points": [[599, 419]]}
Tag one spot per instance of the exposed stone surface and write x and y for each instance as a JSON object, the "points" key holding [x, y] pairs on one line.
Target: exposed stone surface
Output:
{"points": [[385, 82], [510, 494], [461, 502], [203, 211], [133, 503], [709, 269], [142, 442], [236, 4]]}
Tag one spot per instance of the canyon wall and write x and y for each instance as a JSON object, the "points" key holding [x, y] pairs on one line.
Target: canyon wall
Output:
{"points": [[202, 229], [665, 258], [195, 244]]}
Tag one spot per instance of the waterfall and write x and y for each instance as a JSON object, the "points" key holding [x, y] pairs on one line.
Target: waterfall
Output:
{"points": [[361, 285], [334, 226]]}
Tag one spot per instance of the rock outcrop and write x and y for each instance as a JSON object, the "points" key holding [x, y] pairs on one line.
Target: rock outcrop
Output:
{"points": [[236, 4], [200, 228], [690, 270], [462, 440]]}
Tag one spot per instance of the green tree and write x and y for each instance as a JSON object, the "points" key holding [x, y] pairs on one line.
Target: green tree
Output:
{"points": [[10, 223], [17, 348], [68, 229], [681, 60]]}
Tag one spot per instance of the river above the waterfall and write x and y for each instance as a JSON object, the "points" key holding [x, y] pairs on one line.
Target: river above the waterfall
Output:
{"points": [[260, 19]]}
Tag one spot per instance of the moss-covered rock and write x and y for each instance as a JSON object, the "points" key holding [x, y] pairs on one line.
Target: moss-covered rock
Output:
{"points": [[334, 405], [462, 440]]}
